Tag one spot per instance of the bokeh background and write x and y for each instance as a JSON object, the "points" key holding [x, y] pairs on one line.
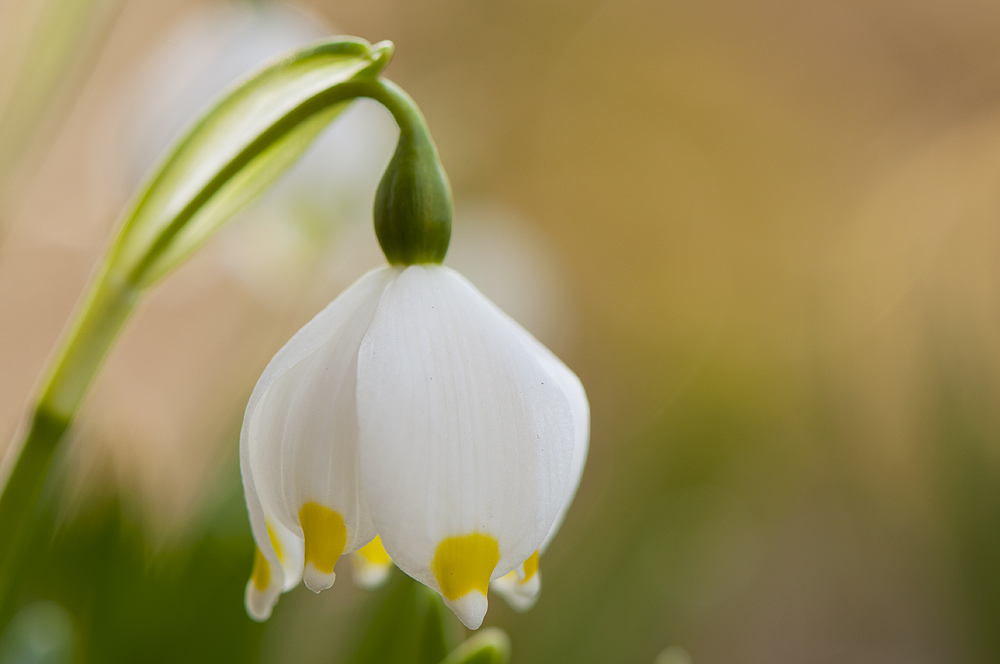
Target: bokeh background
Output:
{"points": [[766, 236]]}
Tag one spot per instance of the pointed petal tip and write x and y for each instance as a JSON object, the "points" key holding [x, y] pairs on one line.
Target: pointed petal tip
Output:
{"points": [[371, 565], [368, 575], [520, 595], [259, 603], [470, 608], [315, 580]]}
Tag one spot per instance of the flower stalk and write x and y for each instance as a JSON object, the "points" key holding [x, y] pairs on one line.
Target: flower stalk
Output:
{"points": [[413, 205], [467, 481], [218, 166], [101, 319]]}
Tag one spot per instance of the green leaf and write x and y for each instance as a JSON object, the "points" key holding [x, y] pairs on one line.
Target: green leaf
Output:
{"points": [[391, 632], [238, 147], [434, 637], [252, 134], [235, 150], [408, 627], [490, 646]]}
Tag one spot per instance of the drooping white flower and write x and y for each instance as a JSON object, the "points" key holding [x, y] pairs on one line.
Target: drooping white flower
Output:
{"points": [[413, 410]]}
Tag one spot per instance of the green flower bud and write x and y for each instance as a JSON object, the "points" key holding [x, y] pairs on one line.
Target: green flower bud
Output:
{"points": [[413, 204]]}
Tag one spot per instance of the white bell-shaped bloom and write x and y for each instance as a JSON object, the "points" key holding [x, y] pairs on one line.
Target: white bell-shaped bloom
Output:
{"points": [[413, 410]]}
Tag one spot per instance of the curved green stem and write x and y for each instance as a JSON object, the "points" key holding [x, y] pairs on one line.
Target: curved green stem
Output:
{"points": [[101, 318], [412, 130], [111, 300], [413, 205]]}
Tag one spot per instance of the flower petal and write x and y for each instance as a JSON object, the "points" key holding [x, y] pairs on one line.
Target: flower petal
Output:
{"points": [[573, 389], [465, 439], [298, 449], [371, 565], [521, 586], [518, 589]]}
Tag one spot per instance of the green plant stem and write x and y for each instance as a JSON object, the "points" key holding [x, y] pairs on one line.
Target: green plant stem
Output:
{"points": [[19, 503], [111, 299], [102, 316], [412, 128]]}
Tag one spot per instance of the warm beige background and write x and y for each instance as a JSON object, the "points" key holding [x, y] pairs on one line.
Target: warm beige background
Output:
{"points": [[766, 235]]}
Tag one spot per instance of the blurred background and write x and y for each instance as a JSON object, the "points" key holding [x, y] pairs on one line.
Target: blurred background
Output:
{"points": [[766, 236]]}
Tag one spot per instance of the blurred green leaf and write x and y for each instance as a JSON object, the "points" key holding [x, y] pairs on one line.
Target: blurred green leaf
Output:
{"points": [[490, 646], [408, 627], [392, 629], [434, 637], [964, 432], [131, 600]]}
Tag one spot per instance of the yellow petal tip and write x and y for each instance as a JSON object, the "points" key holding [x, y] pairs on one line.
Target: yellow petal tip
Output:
{"points": [[374, 552], [262, 589], [261, 574], [521, 586], [325, 537], [463, 566], [530, 567], [371, 565]]}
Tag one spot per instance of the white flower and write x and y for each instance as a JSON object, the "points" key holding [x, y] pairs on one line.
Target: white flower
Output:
{"points": [[411, 409]]}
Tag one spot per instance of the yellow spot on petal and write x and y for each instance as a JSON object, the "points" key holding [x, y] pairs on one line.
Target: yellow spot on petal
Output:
{"points": [[465, 563], [275, 544], [261, 574], [375, 553], [530, 567], [325, 536]]}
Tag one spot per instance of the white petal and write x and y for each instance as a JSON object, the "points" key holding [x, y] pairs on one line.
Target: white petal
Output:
{"points": [[470, 608], [299, 437], [462, 430], [259, 603], [521, 594], [369, 575], [521, 586], [371, 565], [573, 389]]}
